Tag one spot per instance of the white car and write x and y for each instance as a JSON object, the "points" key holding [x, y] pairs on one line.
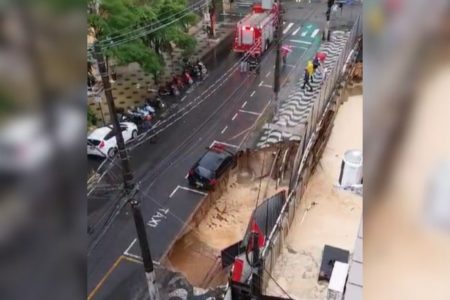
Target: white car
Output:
{"points": [[102, 141]]}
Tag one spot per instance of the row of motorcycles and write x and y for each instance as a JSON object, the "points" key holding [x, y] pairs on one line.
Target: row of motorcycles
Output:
{"points": [[143, 115], [192, 71]]}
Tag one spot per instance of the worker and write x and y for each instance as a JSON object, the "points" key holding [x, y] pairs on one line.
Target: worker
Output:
{"points": [[310, 69], [306, 79]]}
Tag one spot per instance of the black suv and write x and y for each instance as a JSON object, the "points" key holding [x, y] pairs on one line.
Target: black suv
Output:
{"points": [[208, 169]]}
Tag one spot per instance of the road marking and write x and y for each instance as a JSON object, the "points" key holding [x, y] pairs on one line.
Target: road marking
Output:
{"points": [[267, 85], [301, 42], [192, 190], [252, 93], [304, 33], [296, 30], [182, 99], [222, 143], [224, 129], [261, 83], [244, 104], [129, 248], [291, 66], [250, 112], [268, 74], [288, 27], [284, 22], [234, 117], [315, 33], [174, 191], [108, 273], [299, 47], [187, 175], [135, 260]]}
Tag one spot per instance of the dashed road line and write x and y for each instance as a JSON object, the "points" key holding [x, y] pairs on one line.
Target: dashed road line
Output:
{"points": [[315, 33], [288, 27], [296, 30], [244, 104], [182, 99], [250, 112], [253, 93], [267, 85], [260, 84], [174, 191], [301, 42], [224, 129], [234, 117], [268, 74]]}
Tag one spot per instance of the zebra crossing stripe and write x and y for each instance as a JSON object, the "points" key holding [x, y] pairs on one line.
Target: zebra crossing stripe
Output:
{"points": [[315, 33]]}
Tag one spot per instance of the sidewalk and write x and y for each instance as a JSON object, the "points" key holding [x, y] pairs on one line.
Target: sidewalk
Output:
{"points": [[133, 84]]}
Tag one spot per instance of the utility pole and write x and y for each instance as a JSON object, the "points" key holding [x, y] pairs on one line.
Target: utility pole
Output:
{"points": [[279, 34], [256, 276], [212, 16], [128, 179], [326, 32]]}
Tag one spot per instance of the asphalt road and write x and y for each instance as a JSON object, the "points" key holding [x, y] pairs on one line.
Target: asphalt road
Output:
{"points": [[161, 165]]}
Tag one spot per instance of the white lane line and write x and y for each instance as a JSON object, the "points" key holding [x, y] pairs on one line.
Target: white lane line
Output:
{"points": [[296, 30], [298, 47], [301, 42], [192, 190], [174, 191], [244, 104], [250, 112], [291, 66], [182, 99], [234, 117], [304, 33], [268, 74], [288, 27], [315, 33], [224, 129], [261, 83], [129, 248], [253, 93], [222, 143], [187, 175], [267, 85]]}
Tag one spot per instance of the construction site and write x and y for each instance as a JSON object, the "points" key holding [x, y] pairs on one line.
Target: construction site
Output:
{"points": [[295, 192]]}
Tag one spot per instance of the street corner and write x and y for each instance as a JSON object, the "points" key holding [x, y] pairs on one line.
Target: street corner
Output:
{"points": [[121, 281]]}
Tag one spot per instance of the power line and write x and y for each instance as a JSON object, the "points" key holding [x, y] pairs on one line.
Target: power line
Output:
{"points": [[156, 23]]}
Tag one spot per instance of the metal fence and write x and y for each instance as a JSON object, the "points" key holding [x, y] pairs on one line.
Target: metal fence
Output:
{"points": [[321, 105]]}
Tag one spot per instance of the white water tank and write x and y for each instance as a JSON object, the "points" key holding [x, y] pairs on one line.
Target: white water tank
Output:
{"points": [[351, 169]]}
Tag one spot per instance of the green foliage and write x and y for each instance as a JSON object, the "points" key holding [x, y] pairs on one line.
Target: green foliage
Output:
{"points": [[116, 17], [91, 118]]}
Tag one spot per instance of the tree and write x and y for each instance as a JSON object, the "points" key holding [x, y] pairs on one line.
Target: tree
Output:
{"points": [[110, 18]]}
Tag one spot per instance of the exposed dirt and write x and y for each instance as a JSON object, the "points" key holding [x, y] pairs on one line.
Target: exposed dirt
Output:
{"points": [[333, 216]]}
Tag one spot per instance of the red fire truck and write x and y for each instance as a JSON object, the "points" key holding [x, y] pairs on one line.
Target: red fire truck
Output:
{"points": [[256, 31]]}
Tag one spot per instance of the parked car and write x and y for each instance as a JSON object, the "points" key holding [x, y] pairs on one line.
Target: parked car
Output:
{"points": [[210, 167], [102, 141]]}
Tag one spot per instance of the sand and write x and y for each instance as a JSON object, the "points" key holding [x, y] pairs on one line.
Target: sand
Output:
{"points": [[333, 217], [225, 224]]}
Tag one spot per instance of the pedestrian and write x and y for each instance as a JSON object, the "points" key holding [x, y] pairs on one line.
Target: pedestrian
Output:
{"points": [[316, 64], [306, 80], [310, 69]]}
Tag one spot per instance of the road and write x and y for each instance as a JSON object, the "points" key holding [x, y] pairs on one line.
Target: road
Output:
{"points": [[162, 164]]}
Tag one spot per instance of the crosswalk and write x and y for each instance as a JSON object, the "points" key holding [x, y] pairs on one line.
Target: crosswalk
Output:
{"points": [[300, 31]]}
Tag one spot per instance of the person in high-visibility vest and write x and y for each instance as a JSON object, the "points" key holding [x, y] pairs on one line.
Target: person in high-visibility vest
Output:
{"points": [[310, 70]]}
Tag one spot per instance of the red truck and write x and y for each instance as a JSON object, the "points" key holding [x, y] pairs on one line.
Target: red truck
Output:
{"points": [[256, 31]]}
